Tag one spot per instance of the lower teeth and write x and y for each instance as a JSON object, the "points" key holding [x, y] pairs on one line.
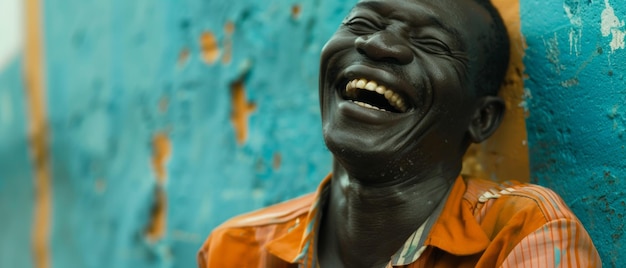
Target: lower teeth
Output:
{"points": [[362, 104]]}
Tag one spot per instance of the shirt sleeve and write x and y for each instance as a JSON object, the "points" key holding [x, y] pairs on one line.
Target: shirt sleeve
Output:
{"points": [[558, 243], [202, 257]]}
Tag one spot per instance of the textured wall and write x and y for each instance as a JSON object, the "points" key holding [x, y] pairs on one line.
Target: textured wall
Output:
{"points": [[577, 111], [16, 187], [159, 120]]}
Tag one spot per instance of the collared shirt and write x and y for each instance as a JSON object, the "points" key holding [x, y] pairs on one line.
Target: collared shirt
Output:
{"points": [[481, 224]]}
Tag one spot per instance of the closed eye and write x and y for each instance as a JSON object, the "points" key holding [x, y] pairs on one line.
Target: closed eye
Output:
{"points": [[359, 25], [432, 46]]}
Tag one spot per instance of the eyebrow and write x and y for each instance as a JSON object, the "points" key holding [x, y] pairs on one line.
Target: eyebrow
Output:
{"points": [[382, 7]]}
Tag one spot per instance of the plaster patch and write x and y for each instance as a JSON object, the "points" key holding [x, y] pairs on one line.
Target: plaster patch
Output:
{"points": [[611, 25]]}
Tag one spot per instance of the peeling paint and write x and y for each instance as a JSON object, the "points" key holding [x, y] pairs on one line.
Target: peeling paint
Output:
{"points": [[570, 82], [577, 123], [157, 224], [209, 47], [612, 25], [296, 9], [241, 111], [572, 10], [553, 53], [161, 151]]}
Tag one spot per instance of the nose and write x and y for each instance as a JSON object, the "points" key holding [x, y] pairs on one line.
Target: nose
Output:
{"points": [[384, 46]]}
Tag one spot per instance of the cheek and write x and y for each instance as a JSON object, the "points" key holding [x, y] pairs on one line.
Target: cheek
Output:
{"points": [[447, 70], [336, 44]]}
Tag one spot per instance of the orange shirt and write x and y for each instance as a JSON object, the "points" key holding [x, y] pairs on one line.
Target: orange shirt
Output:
{"points": [[481, 224]]}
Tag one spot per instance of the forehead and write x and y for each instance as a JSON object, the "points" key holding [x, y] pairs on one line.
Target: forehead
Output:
{"points": [[454, 16]]}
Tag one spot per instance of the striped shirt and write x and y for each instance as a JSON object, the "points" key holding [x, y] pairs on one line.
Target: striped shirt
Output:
{"points": [[481, 224]]}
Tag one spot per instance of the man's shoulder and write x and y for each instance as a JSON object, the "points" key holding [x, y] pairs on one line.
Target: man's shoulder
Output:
{"points": [[275, 214], [242, 240], [519, 197]]}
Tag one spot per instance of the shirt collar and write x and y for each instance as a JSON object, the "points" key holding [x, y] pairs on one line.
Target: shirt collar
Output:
{"points": [[452, 228], [456, 231], [297, 246]]}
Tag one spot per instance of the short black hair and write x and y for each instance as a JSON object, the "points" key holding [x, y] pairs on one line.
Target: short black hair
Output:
{"points": [[496, 47]]}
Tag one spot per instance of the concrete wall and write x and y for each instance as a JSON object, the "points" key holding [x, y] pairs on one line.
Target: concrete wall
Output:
{"points": [[130, 129], [577, 111]]}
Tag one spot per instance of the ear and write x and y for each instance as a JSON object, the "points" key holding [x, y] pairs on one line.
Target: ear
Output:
{"points": [[486, 119]]}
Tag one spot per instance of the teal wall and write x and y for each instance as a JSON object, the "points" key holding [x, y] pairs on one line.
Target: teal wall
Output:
{"points": [[120, 73], [116, 79], [16, 185], [575, 62]]}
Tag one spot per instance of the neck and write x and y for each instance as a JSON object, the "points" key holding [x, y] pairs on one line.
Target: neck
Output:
{"points": [[364, 224]]}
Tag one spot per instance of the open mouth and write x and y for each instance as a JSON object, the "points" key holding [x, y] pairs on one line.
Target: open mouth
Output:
{"points": [[369, 94]]}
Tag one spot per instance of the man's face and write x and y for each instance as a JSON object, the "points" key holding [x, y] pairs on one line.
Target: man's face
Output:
{"points": [[396, 83]]}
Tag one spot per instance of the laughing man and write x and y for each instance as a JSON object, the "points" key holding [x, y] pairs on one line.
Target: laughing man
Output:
{"points": [[405, 87]]}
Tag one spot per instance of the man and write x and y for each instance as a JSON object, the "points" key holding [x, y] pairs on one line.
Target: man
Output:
{"points": [[405, 87]]}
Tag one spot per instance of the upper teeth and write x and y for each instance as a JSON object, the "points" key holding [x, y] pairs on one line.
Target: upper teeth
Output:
{"points": [[393, 98]]}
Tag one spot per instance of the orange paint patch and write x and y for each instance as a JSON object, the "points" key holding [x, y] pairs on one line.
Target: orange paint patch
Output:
{"points": [[34, 73], [209, 47], [241, 111], [295, 11], [158, 219], [161, 151]]}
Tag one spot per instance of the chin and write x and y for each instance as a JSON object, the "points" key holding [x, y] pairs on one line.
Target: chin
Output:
{"points": [[366, 160]]}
